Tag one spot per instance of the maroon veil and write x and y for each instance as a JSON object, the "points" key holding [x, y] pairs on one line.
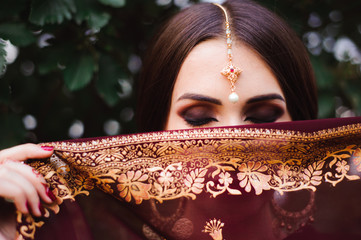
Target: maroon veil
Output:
{"points": [[291, 180]]}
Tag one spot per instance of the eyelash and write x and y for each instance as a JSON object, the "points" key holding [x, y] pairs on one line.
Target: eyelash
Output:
{"points": [[257, 121], [256, 113], [198, 115], [265, 114], [200, 122]]}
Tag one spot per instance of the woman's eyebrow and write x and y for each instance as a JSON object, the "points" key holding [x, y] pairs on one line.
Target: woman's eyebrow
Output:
{"points": [[200, 97], [265, 97]]}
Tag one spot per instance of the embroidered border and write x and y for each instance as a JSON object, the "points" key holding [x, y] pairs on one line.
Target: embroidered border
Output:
{"points": [[170, 165]]}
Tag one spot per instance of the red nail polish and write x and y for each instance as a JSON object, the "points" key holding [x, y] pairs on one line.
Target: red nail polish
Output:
{"points": [[36, 173], [50, 194], [42, 209], [47, 148]]}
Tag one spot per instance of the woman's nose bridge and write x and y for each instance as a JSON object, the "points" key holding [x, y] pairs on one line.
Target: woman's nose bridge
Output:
{"points": [[233, 119]]}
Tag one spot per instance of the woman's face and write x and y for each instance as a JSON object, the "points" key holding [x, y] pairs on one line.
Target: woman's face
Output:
{"points": [[200, 95]]}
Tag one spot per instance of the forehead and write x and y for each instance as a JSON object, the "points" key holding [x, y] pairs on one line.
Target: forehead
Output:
{"points": [[201, 71]]}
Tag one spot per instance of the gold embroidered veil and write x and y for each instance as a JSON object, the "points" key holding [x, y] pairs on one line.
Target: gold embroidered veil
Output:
{"points": [[219, 183]]}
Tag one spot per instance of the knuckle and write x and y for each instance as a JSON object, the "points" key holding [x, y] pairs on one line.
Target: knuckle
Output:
{"points": [[28, 148], [18, 194], [32, 192], [28, 145], [40, 186], [5, 159], [4, 171]]}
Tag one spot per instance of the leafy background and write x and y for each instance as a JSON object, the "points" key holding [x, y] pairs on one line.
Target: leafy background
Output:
{"points": [[71, 66]]}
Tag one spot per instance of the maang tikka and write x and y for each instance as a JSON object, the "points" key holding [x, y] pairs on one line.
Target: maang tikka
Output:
{"points": [[231, 72]]}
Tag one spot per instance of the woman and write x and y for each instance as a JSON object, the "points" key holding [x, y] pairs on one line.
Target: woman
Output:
{"points": [[181, 85], [255, 30]]}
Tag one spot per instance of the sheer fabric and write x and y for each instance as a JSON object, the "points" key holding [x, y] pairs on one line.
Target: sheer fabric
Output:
{"points": [[268, 181]]}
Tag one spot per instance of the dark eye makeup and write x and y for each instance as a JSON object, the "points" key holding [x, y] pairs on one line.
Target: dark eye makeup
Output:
{"points": [[262, 112], [196, 116], [256, 112]]}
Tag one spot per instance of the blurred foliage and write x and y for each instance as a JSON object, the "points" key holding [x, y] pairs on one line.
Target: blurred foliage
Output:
{"points": [[77, 61]]}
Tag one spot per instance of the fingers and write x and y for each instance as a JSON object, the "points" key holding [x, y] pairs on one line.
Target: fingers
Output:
{"points": [[11, 191], [34, 178], [25, 187], [22, 184], [25, 151]]}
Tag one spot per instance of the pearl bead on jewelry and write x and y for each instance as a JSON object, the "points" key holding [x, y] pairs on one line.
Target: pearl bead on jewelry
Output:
{"points": [[231, 72], [233, 97]]}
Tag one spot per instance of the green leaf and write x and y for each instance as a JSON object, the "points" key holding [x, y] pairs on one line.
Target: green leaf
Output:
{"points": [[4, 83], [2, 57], [88, 10], [107, 83], [97, 20], [79, 72], [17, 33], [113, 3], [52, 58], [51, 11]]}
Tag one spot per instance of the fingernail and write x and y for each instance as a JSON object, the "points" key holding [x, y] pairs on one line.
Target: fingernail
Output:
{"points": [[47, 148], [36, 173], [50, 194], [42, 209]]}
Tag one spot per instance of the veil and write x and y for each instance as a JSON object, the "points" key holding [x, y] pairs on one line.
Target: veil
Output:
{"points": [[278, 180]]}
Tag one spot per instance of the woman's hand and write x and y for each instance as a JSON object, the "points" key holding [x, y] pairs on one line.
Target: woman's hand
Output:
{"points": [[21, 184]]}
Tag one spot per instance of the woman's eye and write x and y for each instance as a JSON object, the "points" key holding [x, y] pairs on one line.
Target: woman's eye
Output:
{"points": [[260, 119], [264, 114], [200, 122], [198, 116]]}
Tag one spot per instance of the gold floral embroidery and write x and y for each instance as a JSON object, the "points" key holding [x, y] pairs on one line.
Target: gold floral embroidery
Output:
{"points": [[131, 184], [194, 180], [109, 155], [171, 165], [342, 167], [284, 171], [338, 159], [225, 179], [84, 181], [165, 178], [251, 173], [313, 174], [28, 228], [214, 228]]}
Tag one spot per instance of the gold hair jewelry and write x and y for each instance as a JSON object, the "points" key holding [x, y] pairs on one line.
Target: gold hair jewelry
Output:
{"points": [[231, 72]]}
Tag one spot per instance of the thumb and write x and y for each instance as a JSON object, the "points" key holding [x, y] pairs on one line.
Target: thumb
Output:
{"points": [[24, 152]]}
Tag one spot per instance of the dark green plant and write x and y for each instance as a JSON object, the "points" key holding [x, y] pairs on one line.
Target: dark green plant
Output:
{"points": [[78, 61]]}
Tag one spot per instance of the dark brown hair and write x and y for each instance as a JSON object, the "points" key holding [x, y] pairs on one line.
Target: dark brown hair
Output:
{"points": [[251, 24]]}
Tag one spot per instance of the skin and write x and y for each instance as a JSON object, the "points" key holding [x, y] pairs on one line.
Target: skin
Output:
{"points": [[199, 99], [200, 95], [19, 183]]}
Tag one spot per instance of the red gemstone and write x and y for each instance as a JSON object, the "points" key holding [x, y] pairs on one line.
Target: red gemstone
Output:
{"points": [[232, 69]]}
